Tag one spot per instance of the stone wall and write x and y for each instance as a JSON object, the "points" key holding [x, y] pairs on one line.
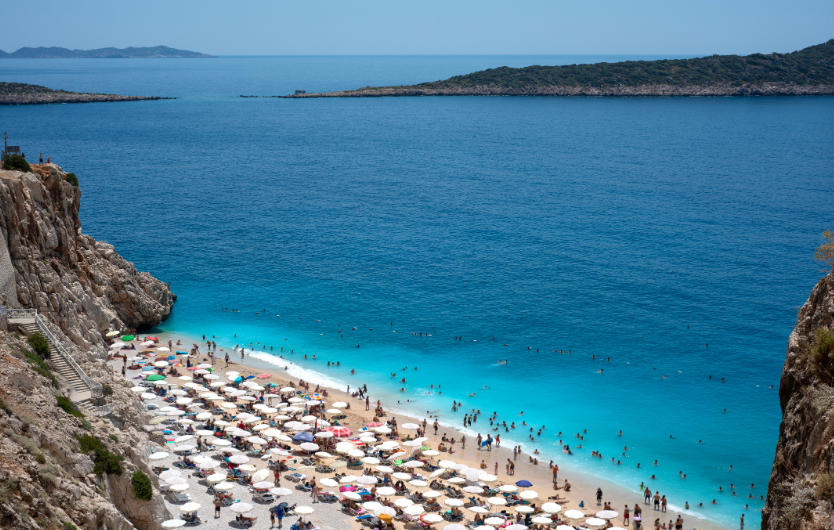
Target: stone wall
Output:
{"points": [[8, 292]]}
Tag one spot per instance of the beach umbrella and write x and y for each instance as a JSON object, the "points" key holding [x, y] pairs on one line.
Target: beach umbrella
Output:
{"points": [[352, 495], [303, 437], [454, 527], [155, 377], [432, 494], [384, 469], [216, 477], [184, 401], [224, 486], [169, 473], [487, 478], [453, 502], [413, 464], [329, 482], [340, 432], [117, 345], [418, 483], [551, 507], [260, 475], [515, 527], [280, 492], [112, 334], [303, 510], [173, 523], [257, 440], [221, 442], [367, 479], [478, 509], [324, 454], [148, 395], [185, 438], [371, 505], [410, 426], [382, 430], [446, 464], [595, 521], [208, 464], [189, 507], [241, 507], [370, 460], [137, 389], [431, 518], [497, 501], [607, 514], [403, 503], [531, 495], [159, 456], [385, 510], [385, 490], [574, 514], [456, 480], [494, 521], [524, 509], [401, 476], [430, 452], [307, 446], [128, 337], [414, 509], [542, 520], [238, 459], [263, 485], [179, 487], [355, 453], [564, 527], [339, 405], [348, 478], [523, 484], [163, 349], [507, 487], [473, 489]]}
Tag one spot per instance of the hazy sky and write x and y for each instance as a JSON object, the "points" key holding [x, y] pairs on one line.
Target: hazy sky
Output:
{"points": [[374, 27]]}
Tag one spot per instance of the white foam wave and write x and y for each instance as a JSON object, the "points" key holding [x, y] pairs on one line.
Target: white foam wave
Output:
{"points": [[293, 370]]}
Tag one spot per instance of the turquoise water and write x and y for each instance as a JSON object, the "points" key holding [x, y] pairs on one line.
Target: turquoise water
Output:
{"points": [[674, 236]]}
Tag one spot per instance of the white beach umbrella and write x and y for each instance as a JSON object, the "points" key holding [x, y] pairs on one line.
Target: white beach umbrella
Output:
{"points": [[418, 483], [179, 487], [412, 443], [456, 480], [137, 389], [431, 518], [607, 514], [303, 510], [413, 464], [446, 464], [497, 501], [169, 473], [307, 446], [263, 485], [257, 440], [323, 435], [260, 475], [508, 487], [410, 426], [515, 527], [173, 523], [216, 477], [382, 430], [370, 460], [189, 507], [162, 348], [414, 509], [530, 494], [348, 479], [494, 521], [432, 494], [367, 479], [329, 482], [541, 520], [574, 514], [220, 442], [385, 490], [159, 456], [352, 495], [478, 509], [208, 464], [324, 454], [487, 478], [238, 459], [384, 469], [565, 527], [403, 503], [339, 405], [371, 505], [401, 476], [385, 510], [430, 452], [595, 521], [241, 507], [474, 489], [453, 502], [524, 509], [185, 438], [280, 492], [224, 486], [551, 507], [454, 527]]}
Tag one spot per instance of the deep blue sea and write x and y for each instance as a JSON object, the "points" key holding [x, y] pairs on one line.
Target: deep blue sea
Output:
{"points": [[673, 236]]}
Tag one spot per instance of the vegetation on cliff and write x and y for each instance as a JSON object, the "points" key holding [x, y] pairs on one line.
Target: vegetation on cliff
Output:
{"points": [[811, 66]]}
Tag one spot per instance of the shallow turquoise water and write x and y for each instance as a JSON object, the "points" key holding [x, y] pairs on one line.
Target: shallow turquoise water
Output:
{"points": [[674, 236]]}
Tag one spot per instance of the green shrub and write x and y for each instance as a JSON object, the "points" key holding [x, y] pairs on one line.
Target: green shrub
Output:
{"points": [[142, 487], [69, 408], [39, 343], [825, 486], [821, 351], [69, 526], [39, 365], [72, 179], [104, 461], [113, 437], [16, 162], [107, 390]]}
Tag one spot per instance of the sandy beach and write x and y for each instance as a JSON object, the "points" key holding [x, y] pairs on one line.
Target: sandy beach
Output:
{"points": [[582, 495]]}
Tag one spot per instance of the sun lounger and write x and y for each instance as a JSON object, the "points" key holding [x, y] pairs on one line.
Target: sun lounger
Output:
{"points": [[295, 477], [263, 496], [179, 496]]}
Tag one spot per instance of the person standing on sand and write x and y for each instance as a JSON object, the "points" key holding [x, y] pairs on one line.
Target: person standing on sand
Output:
{"points": [[315, 491], [227, 358], [625, 515], [367, 403], [217, 505], [555, 473], [647, 495]]}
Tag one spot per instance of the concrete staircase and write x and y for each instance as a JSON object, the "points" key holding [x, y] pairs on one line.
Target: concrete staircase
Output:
{"points": [[63, 371]]}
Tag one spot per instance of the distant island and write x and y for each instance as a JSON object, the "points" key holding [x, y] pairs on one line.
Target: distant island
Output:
{"points": [[23, 94], [806, 72], [102, 53]]}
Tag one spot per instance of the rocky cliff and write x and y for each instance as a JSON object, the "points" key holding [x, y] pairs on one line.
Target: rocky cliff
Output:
{"points": [[82, 286], [46, 479], [801, 487]]}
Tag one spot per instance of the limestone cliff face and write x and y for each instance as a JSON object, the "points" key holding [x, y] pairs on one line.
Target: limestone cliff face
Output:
{"points": [[801, 487], [45, 478], [82, 286]]}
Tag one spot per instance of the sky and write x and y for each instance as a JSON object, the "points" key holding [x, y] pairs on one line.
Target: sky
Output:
{"points": [[428, 27]]}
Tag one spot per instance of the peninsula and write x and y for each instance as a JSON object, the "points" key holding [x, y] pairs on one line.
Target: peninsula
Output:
{"points": [[24, 94], [53, 52], [809, 71]]}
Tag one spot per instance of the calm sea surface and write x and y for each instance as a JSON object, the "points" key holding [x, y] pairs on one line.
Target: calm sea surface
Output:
{"points": [[671, 236]]}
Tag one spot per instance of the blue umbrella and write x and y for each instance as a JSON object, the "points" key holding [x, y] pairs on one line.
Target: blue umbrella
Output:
{"points": [[250, 377], [523, 484], [238, 378], [303, 437]]}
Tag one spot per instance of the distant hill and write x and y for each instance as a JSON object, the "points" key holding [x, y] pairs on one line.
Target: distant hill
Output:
{"points": [[25, 94], [101, 53], [807, 71]]}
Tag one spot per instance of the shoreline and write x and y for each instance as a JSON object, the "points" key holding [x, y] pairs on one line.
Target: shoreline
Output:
{"points": [[583, 484]]}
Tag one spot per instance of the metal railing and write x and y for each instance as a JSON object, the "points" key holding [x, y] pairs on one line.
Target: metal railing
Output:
{"points": [[96, 388]]}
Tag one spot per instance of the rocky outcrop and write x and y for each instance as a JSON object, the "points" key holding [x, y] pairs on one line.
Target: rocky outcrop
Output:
{"points": [[68, 97], [46, 480], [801, 487], [766, 89], [82, 286]]}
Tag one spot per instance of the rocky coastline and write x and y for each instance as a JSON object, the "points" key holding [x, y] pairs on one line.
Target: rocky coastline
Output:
{"points": [[68, 97], [767, 89]]}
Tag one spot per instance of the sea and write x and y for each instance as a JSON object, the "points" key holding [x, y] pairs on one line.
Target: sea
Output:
{"points": [[603, 265]]}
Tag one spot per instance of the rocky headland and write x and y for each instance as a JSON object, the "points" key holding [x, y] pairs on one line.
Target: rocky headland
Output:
{"points": [[801, 488], [806, 72], [64, 466], [24, 94]]}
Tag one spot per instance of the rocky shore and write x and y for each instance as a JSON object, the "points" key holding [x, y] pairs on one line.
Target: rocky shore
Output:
{"points": [[768, 89], [67, 97]]}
